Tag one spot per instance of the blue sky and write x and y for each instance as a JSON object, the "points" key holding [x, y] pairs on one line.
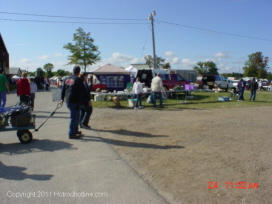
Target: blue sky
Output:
{"points": [[183, 31]]}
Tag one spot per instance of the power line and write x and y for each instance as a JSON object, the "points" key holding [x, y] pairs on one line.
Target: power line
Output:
{"points": [[39, 21], [53, 16], [202, 29], [115, 19], [145, 41]]}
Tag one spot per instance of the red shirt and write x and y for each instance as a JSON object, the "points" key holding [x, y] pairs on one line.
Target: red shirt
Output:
{"points": [[23, 87]]}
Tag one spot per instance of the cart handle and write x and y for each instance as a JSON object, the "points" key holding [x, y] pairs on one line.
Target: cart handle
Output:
{"points": [[59, 105]]}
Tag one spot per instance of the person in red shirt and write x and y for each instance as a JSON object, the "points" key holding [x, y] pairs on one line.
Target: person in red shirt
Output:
{"points": [[23, 88]]}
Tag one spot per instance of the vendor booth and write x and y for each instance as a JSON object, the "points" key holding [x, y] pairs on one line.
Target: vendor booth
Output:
{"points": [[115, 78]]}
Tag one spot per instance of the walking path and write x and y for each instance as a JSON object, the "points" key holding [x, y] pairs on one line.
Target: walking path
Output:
{"points": [[55, 169]]}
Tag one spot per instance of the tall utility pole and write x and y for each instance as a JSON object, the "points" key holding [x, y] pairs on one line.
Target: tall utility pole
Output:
{"points": [[153, 37]]}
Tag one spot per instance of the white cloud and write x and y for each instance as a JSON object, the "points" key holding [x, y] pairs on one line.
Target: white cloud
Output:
{"points": [[137, 61], [121, 60], [221, 55], [170, 54], [172, 58], [58, 54], [25, 61], [121, 57], [43, 57], [188, 63], [178, 63]]}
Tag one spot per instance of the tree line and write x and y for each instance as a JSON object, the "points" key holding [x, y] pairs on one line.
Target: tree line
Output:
{"points": [[255, 66], [47, 71], [84, 53]]}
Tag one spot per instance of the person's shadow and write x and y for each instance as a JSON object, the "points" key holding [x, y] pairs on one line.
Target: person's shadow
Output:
{"points": [[34, 146], [16, 173]]}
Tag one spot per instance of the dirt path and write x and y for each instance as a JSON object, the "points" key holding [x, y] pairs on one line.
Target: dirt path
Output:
{"points": [[179, 152]]}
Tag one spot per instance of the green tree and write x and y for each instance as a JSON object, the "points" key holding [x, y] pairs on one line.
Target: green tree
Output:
{"points": [[201, 68], [150, 61], [49, 74], [83, 52], [61, 73], [269, 76], [256, 65], [212, 69], [208, 67], [31, 74], [48, 67], [40, 72], [167, 66]]}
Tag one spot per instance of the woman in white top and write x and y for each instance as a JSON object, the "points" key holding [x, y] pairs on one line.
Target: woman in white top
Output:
{"points": [[33, 90], [137, 90]]}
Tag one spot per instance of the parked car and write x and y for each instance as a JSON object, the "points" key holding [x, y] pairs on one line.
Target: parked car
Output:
{"points": [[235, 83], [230, 83], [215, 81], [169, 80]]}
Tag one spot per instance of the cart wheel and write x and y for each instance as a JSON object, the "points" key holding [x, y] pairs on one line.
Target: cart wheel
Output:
{"points": [[19, 132], [25, 136]]}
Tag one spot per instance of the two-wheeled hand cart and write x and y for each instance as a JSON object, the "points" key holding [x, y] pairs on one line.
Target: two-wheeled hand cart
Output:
{"points": [[19, 118]]}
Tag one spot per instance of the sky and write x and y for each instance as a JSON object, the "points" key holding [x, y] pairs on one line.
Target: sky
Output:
{"points": [[186, 31]]}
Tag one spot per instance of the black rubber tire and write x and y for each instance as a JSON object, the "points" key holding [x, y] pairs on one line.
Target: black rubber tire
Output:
{"points": [[25, 136], [18, 132]]}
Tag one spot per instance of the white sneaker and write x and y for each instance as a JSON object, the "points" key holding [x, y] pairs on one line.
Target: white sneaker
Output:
{"points": [[141, 107], [136, 108]]}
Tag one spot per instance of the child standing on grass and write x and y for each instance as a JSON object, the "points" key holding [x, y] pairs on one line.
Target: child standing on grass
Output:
{"points": [[33, 90]]}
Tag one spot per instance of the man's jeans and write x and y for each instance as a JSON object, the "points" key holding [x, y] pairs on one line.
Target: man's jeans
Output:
{"points": [[253, 94], [139, 100], [241, 94], [3, 99], [74, 117], [85, 114], [155, 98]]}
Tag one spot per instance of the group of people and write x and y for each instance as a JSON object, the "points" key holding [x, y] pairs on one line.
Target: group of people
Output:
{"points": [[253, 86], [26, 89], [76, 93], [156, 88]]}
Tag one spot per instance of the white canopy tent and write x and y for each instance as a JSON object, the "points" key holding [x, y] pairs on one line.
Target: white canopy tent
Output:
{"points": [[133, 70], [15, 77], [109, 69]]}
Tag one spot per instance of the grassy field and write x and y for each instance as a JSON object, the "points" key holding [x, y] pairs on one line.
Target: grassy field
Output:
{"points": [[202, 100]]}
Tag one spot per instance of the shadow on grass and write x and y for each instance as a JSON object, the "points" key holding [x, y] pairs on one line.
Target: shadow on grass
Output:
{"points": [[16, 173], [128, 144]]}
